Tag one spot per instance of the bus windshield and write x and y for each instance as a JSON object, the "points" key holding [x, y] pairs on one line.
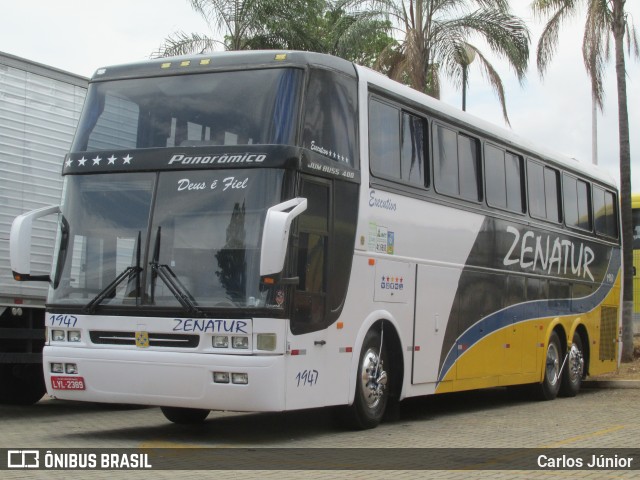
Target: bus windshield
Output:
{"points": [[224, 108], [203, 241]]}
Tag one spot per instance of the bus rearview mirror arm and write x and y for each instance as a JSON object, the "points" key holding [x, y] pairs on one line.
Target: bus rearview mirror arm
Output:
{"points": [[275, 234], [20, 244]]}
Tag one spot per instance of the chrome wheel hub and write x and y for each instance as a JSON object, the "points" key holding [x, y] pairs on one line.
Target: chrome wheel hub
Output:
{"points": [[373, 378]]}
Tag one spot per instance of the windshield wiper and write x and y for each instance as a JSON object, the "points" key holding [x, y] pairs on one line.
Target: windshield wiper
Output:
{"points": [[128, 273], [171, 280]]}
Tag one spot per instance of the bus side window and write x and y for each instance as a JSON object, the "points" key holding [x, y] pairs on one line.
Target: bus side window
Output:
{"points": [[457, 164], [605, 213]]}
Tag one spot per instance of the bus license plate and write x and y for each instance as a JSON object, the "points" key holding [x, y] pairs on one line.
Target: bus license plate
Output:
{"points": [[67, 383]]}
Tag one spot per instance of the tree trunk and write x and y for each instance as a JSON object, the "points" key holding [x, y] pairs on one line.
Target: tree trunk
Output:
{"points": [[625, 183]]}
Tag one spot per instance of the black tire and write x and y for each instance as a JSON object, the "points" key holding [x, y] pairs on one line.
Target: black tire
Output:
{"points": [[573, 370], [185, 416], [21, 384], [372, 389], [550, 386]]}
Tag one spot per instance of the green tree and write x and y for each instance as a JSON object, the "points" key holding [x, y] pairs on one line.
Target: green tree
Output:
{"points": [[312, 25], [604, 19], [437, 34]]}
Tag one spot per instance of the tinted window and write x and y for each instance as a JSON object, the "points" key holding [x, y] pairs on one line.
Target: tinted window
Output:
{"points": [[515, 182], [544, 189], [469, 164], [551, 188], [535, 185], [446, 160], [605, 212], [412, 156], [224, 108], [495, 176], [577, 203], [456, 164], [384, 139], [330, 118], [504, 179]]}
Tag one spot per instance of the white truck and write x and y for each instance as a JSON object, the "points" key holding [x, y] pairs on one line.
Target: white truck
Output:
{"points": [[39, 111]]}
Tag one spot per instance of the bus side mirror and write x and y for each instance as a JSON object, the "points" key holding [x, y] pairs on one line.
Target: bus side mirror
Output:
{"points": [[275, 234], [20, 244]]}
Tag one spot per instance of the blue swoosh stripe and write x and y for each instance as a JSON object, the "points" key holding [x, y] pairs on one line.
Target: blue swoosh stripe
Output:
{"points": [[529, 311]]}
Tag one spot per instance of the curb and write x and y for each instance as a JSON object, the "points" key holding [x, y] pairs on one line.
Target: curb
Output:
{"points": [[626, 384]]}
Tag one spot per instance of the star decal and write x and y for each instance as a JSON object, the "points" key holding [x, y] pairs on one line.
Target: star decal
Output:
{"points": [[112, 160], [82, 161], [69, 162], [127, 159], [97, 160]]}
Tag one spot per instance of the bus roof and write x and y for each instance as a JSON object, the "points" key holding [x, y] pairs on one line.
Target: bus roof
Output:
{"points": [[214, 61]]}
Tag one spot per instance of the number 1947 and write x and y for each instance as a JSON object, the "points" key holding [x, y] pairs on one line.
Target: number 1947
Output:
{"points": [[307, 378]]}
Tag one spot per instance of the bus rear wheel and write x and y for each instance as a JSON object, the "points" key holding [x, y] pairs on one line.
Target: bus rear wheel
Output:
{"points": [[550, 386], [574, 369], [372, 392], [184, 416]]}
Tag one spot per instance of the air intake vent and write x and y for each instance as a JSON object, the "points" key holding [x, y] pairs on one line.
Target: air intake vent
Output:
{"points": [[155, 339], [608, 331]]}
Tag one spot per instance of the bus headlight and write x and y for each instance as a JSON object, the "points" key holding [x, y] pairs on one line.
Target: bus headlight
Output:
{"points": [[220, 341], [58, 335], [74, 336], [240, 342], [221, 377], [71, 368], [267, 341], [240, 378], [57, 368]]}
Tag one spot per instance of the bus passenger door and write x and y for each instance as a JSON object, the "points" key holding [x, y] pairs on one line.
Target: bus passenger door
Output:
{"points": [[307, 374]]}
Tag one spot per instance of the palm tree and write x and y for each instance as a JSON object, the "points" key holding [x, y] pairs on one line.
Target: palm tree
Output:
{"points": [[605, 18], [436, 34]]}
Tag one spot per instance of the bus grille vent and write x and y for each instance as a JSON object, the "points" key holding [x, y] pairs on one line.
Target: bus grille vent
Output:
{"points": [[608, 330], [155, 339]]}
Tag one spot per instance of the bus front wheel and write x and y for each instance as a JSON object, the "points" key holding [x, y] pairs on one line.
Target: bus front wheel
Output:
{"points": [[372, 392], [185, 416]]}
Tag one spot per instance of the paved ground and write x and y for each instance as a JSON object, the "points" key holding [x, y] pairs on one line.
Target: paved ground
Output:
{"points": [[602, 418]]}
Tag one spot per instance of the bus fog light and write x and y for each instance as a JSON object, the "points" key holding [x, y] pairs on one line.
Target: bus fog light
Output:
{"points": [[220, 341], [57, 368], [240, 378], [71, 368], [58, 335], [267, 341], [74, 336], [221, 377], [240, 342]]}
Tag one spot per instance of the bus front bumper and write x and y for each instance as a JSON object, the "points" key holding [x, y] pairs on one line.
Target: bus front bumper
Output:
{"points": [[167, 378]]}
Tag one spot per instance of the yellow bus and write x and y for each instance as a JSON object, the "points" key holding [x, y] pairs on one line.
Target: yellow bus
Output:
{"points": [[635, 205]]}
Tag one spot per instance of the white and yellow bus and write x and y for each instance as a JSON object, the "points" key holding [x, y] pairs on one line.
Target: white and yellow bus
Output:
{"points": [[264, 231]]}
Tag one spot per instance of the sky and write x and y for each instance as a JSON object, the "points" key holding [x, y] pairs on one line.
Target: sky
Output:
{"points": [[80, 36]]}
